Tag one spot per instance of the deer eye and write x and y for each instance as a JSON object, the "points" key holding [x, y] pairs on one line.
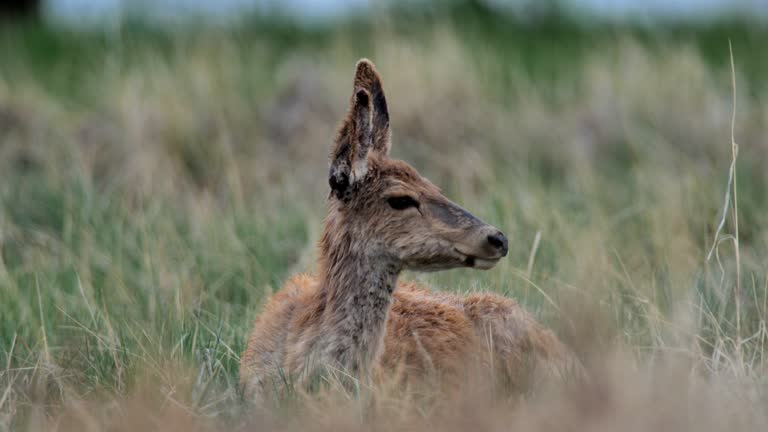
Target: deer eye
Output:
{"points": [[402, 202]]}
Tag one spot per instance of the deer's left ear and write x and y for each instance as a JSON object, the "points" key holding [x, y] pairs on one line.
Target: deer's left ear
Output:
{"points": [[364, 129], [366, 77]]}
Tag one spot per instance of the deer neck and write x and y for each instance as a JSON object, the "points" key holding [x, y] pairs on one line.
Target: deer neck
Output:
{"points": [[356, 292]]}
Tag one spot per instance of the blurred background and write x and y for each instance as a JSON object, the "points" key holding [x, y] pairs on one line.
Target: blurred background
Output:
{"points": [[109, 12], [163, 169]]}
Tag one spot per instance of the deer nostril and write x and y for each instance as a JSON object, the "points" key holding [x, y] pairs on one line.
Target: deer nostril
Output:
{"points": [[498, 241]]}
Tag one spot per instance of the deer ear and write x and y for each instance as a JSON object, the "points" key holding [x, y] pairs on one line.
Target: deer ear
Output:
{"points": [[366, 77], [349, 160], [364, 129]]}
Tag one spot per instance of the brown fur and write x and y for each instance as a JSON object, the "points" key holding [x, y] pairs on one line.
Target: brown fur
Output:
{"points": [[354, 315]]}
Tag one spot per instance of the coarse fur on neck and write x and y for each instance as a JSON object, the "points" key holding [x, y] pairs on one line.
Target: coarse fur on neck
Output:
{"points": [[355, 288]]}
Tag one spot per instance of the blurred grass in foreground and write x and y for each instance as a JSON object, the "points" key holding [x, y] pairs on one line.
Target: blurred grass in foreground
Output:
{"points": [[155, 187]]}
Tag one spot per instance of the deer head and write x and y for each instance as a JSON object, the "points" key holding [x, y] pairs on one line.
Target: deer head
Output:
{"points": [[383, 208]]}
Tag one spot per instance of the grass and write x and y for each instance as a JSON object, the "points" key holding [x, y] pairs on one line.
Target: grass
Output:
{"points": [[155, 188]]}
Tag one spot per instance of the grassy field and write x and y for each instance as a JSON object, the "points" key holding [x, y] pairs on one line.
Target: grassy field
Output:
{"points": [[156, 186]]}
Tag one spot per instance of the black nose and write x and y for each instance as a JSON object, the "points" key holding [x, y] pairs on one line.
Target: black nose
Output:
{"points": [[499, 242]]}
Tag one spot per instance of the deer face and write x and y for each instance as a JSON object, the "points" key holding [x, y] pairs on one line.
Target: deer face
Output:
{"points": [[389, 210]]}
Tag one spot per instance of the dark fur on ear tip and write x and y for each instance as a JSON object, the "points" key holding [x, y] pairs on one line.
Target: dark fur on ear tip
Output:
{"points": [[365, 75], [364, 67]]}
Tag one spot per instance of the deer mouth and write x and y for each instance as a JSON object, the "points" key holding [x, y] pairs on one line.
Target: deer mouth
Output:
{"points": [[473, 261]]}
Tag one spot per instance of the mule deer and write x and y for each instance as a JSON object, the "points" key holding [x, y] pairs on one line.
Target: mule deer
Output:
{"points": [[384, 218]]}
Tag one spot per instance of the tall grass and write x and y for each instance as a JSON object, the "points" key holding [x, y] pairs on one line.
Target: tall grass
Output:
{"points": [[153, 195]]}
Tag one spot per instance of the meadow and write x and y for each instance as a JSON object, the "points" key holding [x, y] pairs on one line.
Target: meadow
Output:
{"points": [[156, 186]]}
